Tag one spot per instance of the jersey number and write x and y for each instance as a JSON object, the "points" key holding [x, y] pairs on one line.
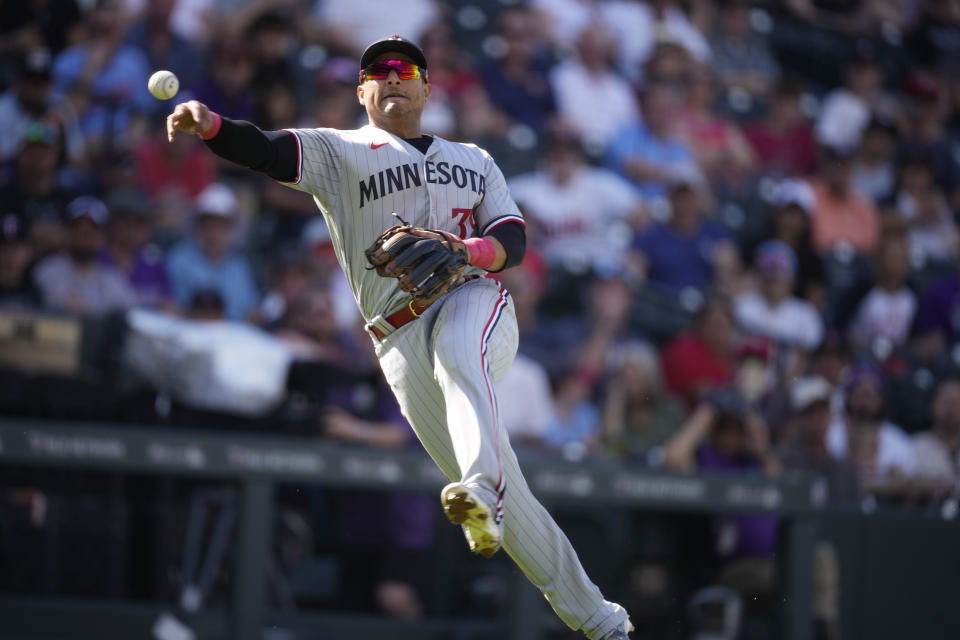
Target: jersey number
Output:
{"points": [[466, 216]]}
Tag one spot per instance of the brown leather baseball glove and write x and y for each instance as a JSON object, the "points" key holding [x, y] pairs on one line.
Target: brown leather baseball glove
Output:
{"points": [[426, 262]]}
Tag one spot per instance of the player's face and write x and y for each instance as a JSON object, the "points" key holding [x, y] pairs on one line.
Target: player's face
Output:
{"points": [[392, 98]]}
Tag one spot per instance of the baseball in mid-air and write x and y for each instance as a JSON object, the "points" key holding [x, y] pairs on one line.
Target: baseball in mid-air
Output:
{"points": [[163, 84]]}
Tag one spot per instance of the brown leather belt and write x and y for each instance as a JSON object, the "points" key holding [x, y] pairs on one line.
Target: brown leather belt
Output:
{"points": [[399, 318]]}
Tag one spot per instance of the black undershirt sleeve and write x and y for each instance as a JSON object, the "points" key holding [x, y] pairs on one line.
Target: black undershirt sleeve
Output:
{"points": [[513, 237], [274, 153]]}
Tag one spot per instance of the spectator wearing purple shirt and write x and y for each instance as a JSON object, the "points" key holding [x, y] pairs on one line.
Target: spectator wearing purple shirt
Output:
{"points": [[226, 88], [128, 248], [937, 322], [719, 438]]}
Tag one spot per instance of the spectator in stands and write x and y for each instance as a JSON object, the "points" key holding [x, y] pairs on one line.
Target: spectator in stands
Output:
{"points": [[207, 259], [805, 449], [703, 358], [773, 311], [271, 37], [335, 101], [668, 64], [103, 77], [648, 152], [794, 203], [742, 58], [458, 106], [920, 209], [580, 216], [18, 291], [349, 26], [937, 450], [886, 312], [934, 36], [639, 415], [226, 87], [592, 99], [73, 281], [843, 219], [30, 100], [874, 169], [689, 249], [639, 26], [924, 129], [721, 437], [517, 82], [309, 328], [525, 401], [575, 427], [28, 24], [782, 140], [880, 449], [33, 190], [846, 111], [288, 277], [719, 146], [128, 248], [178, 169], [937, 323], [164, 48]]}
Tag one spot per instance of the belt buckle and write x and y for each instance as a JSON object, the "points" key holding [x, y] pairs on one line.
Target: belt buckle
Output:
{"points": [[412, 310]]}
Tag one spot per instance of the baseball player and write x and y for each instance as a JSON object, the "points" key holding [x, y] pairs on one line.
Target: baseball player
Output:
{"points": [[430, 216]]}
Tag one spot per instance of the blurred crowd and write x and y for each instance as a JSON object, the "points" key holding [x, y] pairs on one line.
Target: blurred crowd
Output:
{"points": [[741, 214]]}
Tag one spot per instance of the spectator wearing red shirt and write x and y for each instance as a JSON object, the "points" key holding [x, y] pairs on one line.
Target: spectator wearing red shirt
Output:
{"points": [[704, 357], [182, 165], [783, 140]]}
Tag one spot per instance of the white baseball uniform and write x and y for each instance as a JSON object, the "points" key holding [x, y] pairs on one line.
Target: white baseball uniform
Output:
{"points": [[442, 365]]}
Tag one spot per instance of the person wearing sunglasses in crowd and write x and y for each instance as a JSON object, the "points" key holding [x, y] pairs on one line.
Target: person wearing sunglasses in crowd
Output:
{"points": [[440, 360]]}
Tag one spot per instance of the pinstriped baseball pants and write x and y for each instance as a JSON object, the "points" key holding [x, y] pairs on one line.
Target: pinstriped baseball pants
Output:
{"points": [[441, 368]]}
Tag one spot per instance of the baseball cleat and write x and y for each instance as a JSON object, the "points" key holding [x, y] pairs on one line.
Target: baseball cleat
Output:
{"points": [[621, 632], [465, 507]]}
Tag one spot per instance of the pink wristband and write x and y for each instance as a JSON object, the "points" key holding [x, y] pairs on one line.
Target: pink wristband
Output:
{"points": [[214, 127], [481, 252]]}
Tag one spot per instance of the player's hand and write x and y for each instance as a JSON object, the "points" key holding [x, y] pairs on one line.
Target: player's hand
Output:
{"points": [[191, 117]]}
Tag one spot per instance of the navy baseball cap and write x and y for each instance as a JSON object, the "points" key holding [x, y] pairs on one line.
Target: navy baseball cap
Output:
{"points": [[393, 43]]}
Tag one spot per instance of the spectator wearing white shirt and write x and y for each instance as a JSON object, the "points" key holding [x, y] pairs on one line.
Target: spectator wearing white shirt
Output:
{"points": [[591, 98], [937, 450], [525, 402], [846, 111], [773, 311], [637, 26], [578, 215], [886, 312], [881, 450]]}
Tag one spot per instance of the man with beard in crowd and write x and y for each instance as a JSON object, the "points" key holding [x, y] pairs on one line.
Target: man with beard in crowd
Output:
{"points": [[72, 280]]}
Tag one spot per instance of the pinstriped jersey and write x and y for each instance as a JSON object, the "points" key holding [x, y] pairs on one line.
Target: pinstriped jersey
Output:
{"points": [[360, 177]]}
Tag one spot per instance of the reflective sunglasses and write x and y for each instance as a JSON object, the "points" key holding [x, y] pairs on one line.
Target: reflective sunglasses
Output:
{"points": [[380, 70]]}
